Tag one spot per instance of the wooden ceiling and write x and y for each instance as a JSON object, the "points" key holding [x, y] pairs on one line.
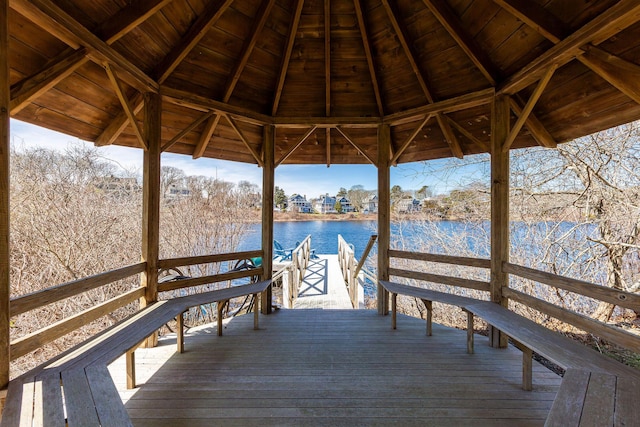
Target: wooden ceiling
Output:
{"points": [[325, 73]]}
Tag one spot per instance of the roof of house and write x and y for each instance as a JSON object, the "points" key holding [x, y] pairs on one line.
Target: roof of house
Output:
{"points": [[326, 74]]}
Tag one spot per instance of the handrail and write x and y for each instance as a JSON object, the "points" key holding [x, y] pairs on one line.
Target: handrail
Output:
{"points": [[351, 270], [295, 271], [609, 332], [28, 302], [36, 339]]}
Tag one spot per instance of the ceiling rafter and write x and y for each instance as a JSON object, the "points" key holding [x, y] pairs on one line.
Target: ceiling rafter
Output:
{"points": [[462, 102], [537, 129], [620, 73], [68, 61], [295, 146], [117, 86], [327, 57], [481, 144], [450, 136], [403, 38], [360, 150], [528, 108], [49, 16], [257, 157], [446, 16], [129, 18], [284, 66], [605, 25], [192, 37], [30, 88], [186, 130], [409, 140], [369, 54], [205, 136], [262, 14]]}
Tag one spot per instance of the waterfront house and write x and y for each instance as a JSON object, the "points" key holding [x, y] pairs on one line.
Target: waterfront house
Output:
{"points": [[298, 203], [325, 204], [291, 82], [370, 204]]}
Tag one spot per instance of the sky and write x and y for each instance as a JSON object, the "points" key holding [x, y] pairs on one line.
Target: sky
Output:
{"points": [[309, 180]]}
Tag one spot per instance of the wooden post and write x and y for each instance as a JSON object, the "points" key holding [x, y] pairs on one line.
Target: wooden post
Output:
{"points": [[384, 214], [180, 332], [5, 289], [499, 209], [130, 363], [268, 180], [151, 201]]}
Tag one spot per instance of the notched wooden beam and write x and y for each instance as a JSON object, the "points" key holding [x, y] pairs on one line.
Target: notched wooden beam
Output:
{"points": [[295, 146], [409, 140], [360, 150], [205, 136], [186, 130], [535, 126], [450, 136], [257, 157]]}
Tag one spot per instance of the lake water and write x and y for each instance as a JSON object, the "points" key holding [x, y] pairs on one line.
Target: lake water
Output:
{"points": [[324, 235]]}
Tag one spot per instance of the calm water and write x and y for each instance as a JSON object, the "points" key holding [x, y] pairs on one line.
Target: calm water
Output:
{"points": [[324, 235]]}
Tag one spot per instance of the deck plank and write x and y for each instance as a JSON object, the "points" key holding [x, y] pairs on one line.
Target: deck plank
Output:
{"points": [[338, 367]]}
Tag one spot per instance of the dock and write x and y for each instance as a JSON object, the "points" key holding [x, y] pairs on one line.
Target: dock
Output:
{"points": [[323, 286]]}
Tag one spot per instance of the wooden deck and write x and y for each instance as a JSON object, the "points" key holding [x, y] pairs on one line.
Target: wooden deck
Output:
{"points": [[333, 367], [323, 286]]}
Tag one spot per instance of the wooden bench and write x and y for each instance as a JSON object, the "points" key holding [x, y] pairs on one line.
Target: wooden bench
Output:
{"points": [[529, 336], [77, 382], [590, 398]]}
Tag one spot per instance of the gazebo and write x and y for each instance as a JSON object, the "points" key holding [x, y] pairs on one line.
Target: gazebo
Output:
{"points": [[272, 82]]}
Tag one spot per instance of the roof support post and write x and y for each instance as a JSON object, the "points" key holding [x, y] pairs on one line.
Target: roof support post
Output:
{"points": [[384, 214], [151, 201], [499, 209], [268, 180], [5, 289]]}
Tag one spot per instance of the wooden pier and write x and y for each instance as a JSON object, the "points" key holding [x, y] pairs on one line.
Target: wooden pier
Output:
{"points": [[333, 367], [323, 285]]}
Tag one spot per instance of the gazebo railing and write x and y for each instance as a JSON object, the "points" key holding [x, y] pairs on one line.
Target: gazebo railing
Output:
{"points": [[611, 333], [39, 299]]}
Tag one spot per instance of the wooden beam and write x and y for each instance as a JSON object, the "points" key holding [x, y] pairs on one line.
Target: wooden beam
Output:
{"points": [[295, 146], [499, 208], [186, 130], [409, 140], [537, 129], [196, 32], [401, 32], [124, 101], [118, 125], [618, 72], [327, 56], [362, 25], [268, 181], [128, 18], [361, 151], [151, 197], [528, 108], [5, 288], [244, 140], [327, 136], [204, 104], [450, 136], [536, 17], [621, 74], [384, 214], [261, 15], [447, 17], [324, 122], [205, 136], [483, 146], [610, 22], [463, 102], [284, 65], [30, 88], [49, 16]]}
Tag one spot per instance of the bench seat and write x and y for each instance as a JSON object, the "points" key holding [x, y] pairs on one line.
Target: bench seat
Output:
{"points": [[595, 391], [79, 377]]}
